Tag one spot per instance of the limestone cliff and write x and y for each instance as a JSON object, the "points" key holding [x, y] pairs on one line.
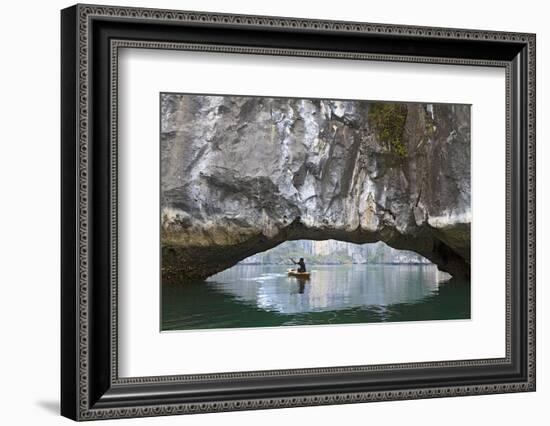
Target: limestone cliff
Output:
{"points": [[240, 175]]}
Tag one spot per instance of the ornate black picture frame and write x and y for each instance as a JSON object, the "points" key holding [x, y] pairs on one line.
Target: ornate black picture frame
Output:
{"points": [[90, 38]]}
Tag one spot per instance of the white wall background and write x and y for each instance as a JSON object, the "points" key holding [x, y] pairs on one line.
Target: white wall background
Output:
{"points": [[29, 211]]}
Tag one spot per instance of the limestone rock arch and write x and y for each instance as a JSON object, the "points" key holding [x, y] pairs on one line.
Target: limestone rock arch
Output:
{"points": [[240, 175]]}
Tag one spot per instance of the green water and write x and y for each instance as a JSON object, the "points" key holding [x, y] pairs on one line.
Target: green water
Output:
{"points": [[264, 296]]}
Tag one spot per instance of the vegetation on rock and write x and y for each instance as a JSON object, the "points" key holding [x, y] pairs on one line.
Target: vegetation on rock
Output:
{"points": [[389, 121]]}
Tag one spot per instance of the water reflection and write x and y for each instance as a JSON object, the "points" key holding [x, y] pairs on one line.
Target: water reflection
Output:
{"points": [[329, 288], [264, 295]]}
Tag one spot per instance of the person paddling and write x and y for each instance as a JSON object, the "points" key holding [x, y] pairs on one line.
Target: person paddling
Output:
{"points": [[300, 263]]}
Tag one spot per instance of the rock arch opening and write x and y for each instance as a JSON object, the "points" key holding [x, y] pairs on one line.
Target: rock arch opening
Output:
{"points": [[334, 252], [200, 261], [240, 175]]}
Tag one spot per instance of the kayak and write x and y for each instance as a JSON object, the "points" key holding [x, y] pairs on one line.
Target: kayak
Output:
{"points": [[295, 273]]}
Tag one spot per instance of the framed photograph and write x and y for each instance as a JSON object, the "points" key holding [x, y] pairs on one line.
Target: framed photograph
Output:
{"points": [[263, 212]]}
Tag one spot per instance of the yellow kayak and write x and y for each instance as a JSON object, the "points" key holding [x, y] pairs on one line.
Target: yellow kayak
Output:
{"points": [[295, 273]]}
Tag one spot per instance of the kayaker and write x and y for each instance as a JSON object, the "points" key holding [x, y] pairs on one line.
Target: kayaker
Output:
{"points": [[301, 264]]}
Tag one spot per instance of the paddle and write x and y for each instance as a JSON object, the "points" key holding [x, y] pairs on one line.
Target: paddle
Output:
{"points": [[292, 260]]}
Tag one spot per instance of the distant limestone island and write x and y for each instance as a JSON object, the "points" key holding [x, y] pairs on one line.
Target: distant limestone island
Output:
{"points": [[332, 252]]}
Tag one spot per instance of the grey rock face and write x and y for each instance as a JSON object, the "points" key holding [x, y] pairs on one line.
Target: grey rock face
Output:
{"points": [[240, 175]]}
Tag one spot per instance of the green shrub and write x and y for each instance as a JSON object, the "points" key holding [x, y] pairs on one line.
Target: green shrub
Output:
{"points": [[388, 119]]}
